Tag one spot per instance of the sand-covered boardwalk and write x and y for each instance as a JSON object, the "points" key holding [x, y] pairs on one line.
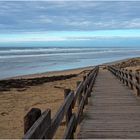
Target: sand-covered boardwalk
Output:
{"points": [[113, 110]]}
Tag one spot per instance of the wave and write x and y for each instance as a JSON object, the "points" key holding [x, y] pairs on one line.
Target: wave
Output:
{"points": [[41, 50], [49, 50], [69, 53]]}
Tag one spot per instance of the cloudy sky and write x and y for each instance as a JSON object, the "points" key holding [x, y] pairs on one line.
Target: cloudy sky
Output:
{"points": [[60, 22]]}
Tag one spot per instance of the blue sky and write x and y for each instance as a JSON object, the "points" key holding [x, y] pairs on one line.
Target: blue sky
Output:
{"points": [[71, 23]]}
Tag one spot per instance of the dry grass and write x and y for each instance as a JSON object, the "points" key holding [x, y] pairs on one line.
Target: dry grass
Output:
{"points": [[133, 63]]}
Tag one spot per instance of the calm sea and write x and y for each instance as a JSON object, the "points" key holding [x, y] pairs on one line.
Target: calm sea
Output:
{"points": [[22, 61]]}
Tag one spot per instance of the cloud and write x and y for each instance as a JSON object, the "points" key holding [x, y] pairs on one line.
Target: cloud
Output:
{"points": [[71, 15]]}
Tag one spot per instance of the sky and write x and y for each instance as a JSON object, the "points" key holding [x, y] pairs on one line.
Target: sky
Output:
{"points": [[69, 23]]}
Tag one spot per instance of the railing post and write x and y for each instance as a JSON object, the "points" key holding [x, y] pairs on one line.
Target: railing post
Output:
{"points": [[69, 133], [92, 80], [89, 90], [131, 79], [88, 85], [85, 90], [137, 76], [126, 76], [69, 112], [123, 75], [79, 100], [119, 73], [81, 107], [30, 118], [48, 134], [80, 95]]}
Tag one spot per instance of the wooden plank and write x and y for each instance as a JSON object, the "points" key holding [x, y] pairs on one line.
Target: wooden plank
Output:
{"points": [[70, 129], [61, 112], [114, 116], [79, 114], [113, 126], [41, 127], [78, 93], [110, 134], [69, 111], [113, 111], [30, 118]]}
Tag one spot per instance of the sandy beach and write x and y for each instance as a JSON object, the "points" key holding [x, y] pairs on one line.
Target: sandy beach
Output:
{"points": [[16, 102]]}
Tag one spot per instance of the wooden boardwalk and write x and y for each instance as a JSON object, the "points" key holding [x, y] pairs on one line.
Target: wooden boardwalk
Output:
{"points": [[113, 110]]}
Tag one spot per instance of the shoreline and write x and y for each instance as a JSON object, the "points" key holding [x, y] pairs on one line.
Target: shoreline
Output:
{"points": [[23, 82], [41, 91], [49, 73], [61, 72]]}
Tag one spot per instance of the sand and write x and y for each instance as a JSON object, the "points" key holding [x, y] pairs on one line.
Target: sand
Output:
{"points": [[14, 104]]}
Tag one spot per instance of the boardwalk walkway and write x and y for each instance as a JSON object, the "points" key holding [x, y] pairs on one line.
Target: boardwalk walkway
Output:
{"points": [[113, 110]]}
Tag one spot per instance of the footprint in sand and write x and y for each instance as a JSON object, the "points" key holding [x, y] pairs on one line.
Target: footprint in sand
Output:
{"points": [[4, 113]]}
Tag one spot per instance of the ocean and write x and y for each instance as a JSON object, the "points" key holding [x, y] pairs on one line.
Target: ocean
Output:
{"points": [[16, 61]]}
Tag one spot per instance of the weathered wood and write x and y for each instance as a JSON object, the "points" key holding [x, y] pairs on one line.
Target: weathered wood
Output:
{"points": [[123, 76], [60, 113], [69, 133], [69, 111], [126, 75], [88, 86], [41, 128], [79, 114], [78, 93], [85, 88], [91, 83], [30, 118], [129, 79], [138, 82], [113, 111]]}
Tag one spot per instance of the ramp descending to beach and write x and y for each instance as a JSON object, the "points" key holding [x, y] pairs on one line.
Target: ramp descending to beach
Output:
{"points": [[101, 105], [113, 110]]}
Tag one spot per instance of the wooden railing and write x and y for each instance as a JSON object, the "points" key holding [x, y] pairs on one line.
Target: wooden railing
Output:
{"points": [[128, 78], [38, 126]]}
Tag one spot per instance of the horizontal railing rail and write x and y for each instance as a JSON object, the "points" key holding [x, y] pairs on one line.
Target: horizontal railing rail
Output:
{"points": [[129, 78], [39, 126]]}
